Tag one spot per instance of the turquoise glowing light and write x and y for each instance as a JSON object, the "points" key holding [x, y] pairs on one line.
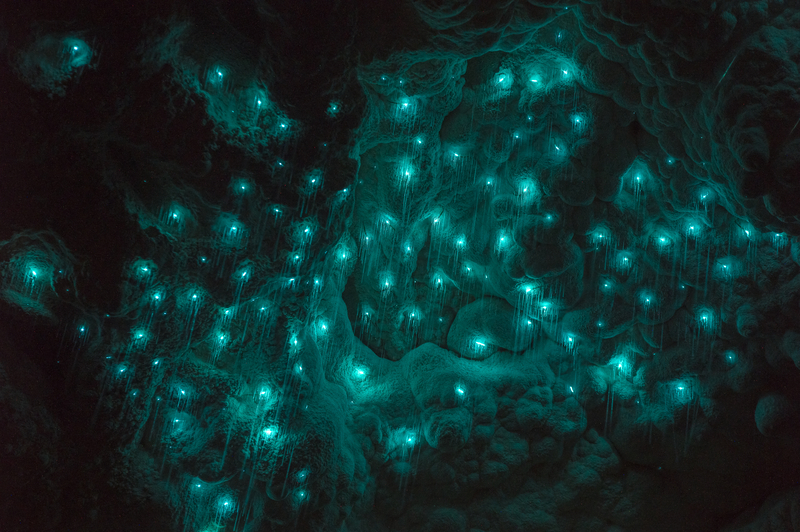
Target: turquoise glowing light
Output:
{"points": [[647, 298], [600, 236], [405, 172], [607, 285], [579, 123], [503, 241], [662, 241], [528, 289], [528, 191], [779, 241], [79, 52], [386, 283], [622, 365], [680, 391], [216, 76], [731, 357], [705, 195], [503, 80], [705, 319]]}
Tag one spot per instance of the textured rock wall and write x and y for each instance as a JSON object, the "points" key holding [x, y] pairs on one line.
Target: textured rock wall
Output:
{"points": [[434, 266]]}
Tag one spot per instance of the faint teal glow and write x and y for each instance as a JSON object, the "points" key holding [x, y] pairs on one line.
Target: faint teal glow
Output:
{"points": [[334, 108], [662, 241], [216, 77], [241, 186], [680, 391], [779, 241], [503, 80], [139, 337], [607, 285], [386, 283], [705, 195], [528, 289], [600, 236], [693, 229], [731, 357], [79, 54], [528, 191], [623, 261], [569, 341], [647, 298], [622, 364], [705, 319], [580, 123]]}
